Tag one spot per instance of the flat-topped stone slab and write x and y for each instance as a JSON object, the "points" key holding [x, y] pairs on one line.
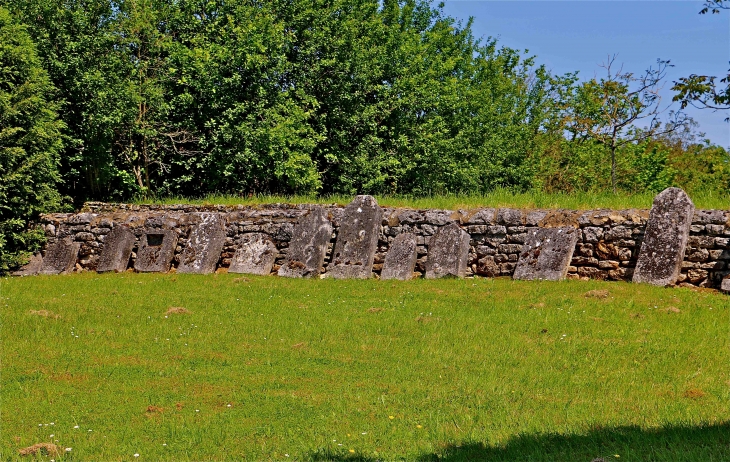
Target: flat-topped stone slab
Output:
{"points": [[32, 267], [546, 253], [60, 257], [255, 254], [401, 258], [118, 245], [357, 239], [155, 252], [448, 252], [308, 245], [204, 246], [665, 238]]}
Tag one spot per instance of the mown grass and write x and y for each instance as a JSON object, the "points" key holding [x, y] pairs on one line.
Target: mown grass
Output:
{"points": [[267, 368], [497, 198]]}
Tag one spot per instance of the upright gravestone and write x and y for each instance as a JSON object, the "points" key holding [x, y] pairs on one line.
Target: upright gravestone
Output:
{"points": [[117, 249], [448, 252], [156, 249], [308, 245], [357, 239], [255, 254], [665, 239], [32, 267], [60, 257], [546, 254], [204, 247], [401, 258]]}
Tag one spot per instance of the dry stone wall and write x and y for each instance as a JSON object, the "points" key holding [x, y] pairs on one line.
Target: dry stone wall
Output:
{"points": [[607, 245]]}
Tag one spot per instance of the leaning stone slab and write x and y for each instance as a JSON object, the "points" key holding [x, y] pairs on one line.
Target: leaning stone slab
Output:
{"points": [[60, 257], [401, 258], [357, 239], [725, 284], [546, 254], [156, 249], [308, 245], [255, 254], [204, 247], [32, 267], [448, 252], [117, 249], [665, 239]]}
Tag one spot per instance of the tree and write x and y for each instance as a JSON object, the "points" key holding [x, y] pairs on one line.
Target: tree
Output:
{"points": [[703, 91], [608, 110], [30, 140]]}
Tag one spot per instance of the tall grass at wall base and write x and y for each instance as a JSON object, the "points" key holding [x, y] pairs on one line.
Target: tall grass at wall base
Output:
{"points": [[224, 367]]}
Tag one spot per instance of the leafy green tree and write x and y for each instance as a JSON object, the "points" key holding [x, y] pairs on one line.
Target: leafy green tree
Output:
{"points": [[30, 140]]}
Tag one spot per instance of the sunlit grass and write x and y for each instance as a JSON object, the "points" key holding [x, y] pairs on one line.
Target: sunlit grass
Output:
{"points": [[497, 198], [265, 367]]}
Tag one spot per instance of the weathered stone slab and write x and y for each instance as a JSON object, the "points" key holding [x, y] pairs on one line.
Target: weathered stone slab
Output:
{"points": [[401, 258], [308, 246], [32, 267], [725, 284], [448, 252], [60, 257], [546, 253], [155, 252], [665, 238], [255, 254], [357, 239], [117, 249], [204, 246]]}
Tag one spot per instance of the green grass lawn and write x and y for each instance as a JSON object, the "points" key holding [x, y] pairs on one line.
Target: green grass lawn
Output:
{"points": [[497, 198], [267, 368]]}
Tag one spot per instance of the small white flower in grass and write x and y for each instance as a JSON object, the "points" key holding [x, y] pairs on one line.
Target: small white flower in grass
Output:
{"points": [[40, 425], [286, 455], [53, 423], [228, 405], [68, 449], [164, 444], [76, 426], [197, 410], [91, 430], [51, 436], [136, 455]]}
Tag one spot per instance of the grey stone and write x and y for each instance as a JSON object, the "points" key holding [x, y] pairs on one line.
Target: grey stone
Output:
{"points": [[117, 249], [478, 217], [509, 217], [357, 239], [81, 218], [448, 252], [400, 261], [155, 252], [204, 247], [725, 284], [32, 267], [60, 257], [665, 238], [255, 254], [547, 253], [307, 248], [706, 217]]}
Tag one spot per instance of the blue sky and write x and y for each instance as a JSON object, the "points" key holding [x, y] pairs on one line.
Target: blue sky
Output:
{"points": [[579, 35]]}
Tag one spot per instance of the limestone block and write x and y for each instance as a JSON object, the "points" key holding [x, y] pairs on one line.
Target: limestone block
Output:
{"points": [[725, 284], [547, 253], [204, 246], [448, 252], [400, 260], [665, 238], [310, 236], [60, 257], [255, 254], [357, 239], [117, 249], [32, 267], [156, 249]]}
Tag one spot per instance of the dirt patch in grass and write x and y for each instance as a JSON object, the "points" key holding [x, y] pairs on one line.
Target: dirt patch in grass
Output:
{"points": [[694, 393], [44, 314], [241, 279], [177, 310], [672, 309], [151, 410], [375, 310], [596, 294], [299, 346], [45, 449]]}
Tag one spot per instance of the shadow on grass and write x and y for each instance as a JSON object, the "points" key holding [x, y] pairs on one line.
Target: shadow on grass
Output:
{"points": [[709, 443]]}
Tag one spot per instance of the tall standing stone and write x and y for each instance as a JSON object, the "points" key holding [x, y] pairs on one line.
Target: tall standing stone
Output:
{"points": [[357, 239], [255, 254], [665, 239], [401, 258], [32, 267], [204, 246], [308, 245], [118, 246], [546, 254], [156, 249], [60, 257], [448, 252]]}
